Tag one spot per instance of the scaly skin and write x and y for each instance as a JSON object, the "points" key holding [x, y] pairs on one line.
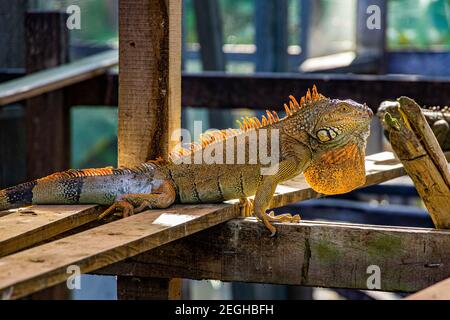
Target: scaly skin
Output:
{"points": [[321, 137], [439, 121], [438, 118]]}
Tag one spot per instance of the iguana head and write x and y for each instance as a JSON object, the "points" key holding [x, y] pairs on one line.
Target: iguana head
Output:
{"points": [[339, 122], [337, 133], [338, 140]]}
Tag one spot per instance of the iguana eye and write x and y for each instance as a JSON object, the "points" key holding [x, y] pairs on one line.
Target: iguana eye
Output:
{"points": [[323, 135], [343, 108], [326, 134]]}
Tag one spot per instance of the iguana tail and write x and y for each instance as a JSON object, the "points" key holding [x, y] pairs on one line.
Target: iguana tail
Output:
{"points": [[17, 196], [85, 186]]}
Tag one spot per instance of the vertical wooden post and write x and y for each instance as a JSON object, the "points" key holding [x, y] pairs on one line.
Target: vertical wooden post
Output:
{"points": [[150, 78], [149, 102], [47, 116], [12, 124], [141, 288], [371, 43], [271, 35], [12, 35], [209, 30]]}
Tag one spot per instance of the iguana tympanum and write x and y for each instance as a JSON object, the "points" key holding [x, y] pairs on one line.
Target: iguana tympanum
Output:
{"points": [[324, 138]]}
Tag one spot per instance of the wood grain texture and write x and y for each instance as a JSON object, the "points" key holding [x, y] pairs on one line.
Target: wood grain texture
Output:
{"points": [[149, 99], [149, 78], [423, 159], [34, 269], [12, 33], [47, 117], [439, 291], [56, 78], [147, 288], [23, 228], [309, 254]]}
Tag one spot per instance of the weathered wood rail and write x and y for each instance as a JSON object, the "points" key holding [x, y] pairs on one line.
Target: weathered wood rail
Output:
{"points": [[93, 83], [56, 78], [311, 253]]}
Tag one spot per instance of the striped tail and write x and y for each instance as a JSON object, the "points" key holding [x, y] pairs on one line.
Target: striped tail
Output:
{"points": [[17, 196], [93, 186]]}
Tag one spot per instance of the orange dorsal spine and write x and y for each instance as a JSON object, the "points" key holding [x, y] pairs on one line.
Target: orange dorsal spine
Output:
{"points": [[246, 124]]}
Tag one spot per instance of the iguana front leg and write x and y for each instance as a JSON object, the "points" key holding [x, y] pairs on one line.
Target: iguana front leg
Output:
{"points": [[130, 204], [266, 190]]}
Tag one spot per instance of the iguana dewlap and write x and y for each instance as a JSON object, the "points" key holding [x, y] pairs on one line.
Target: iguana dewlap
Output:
{"points": [[324, 138]]}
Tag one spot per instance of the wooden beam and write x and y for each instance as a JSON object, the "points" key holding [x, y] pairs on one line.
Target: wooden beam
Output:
{"points": [[439, 291], [258, 91], [219, 90], [371, 43], [148, 288], [27, 227], [310, 253], [12, 124], [12, 146], [12, 34], [271, 35], [150, 78], [417, 147], [209, 30], [34, 269], [47, 118], [56, 78], [149, 97]]}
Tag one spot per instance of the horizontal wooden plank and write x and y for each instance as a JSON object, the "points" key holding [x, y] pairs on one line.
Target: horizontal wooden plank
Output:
{"points": [[264, 90], [56, 78], [25, 227], [34, 269], [310, 253], [256, 91], [268, 90], [439, 291]]}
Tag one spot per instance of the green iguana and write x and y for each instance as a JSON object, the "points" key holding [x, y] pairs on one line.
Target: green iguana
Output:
{"points": [[439, 120], [321, 137]]}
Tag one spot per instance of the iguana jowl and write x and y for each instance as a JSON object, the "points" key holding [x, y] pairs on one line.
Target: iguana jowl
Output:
{"points": [[324, 138]]}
